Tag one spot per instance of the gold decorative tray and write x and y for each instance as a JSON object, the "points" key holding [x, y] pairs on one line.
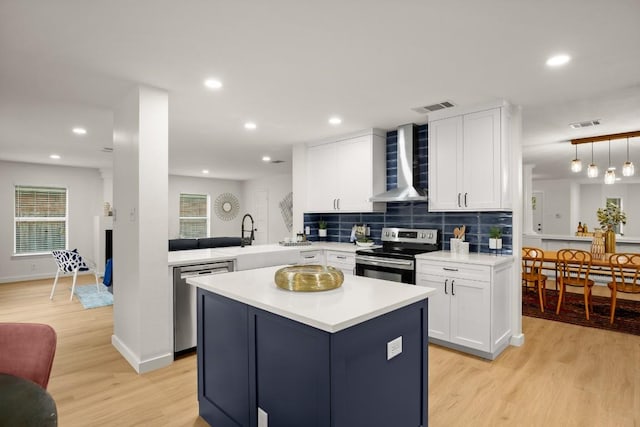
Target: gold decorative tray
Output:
{"points": [[309, 278]]}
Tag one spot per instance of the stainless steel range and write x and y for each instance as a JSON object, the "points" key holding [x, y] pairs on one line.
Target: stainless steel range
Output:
{"points": [[396, 259]]}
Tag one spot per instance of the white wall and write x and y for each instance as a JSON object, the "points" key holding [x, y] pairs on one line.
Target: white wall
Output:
{"points": [[84, 200], [277, 186], [213, 187], [556, 206], [594, 196]]}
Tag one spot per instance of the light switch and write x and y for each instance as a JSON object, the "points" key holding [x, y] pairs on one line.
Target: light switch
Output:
{"points": [[263, 418], [394, 348]]}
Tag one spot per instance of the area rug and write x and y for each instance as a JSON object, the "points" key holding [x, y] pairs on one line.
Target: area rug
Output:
{"points": [[627, 318], [90, 297]]}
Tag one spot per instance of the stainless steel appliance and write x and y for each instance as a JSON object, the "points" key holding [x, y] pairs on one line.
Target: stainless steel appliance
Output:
{"points": [[408, 172], [395, 260], [184, 302]]}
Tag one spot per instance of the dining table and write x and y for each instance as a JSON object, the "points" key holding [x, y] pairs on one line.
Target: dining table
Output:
{"points": [[24, 403], [599, 263]]}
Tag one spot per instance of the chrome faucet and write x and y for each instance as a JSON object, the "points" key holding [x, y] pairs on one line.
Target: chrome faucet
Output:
{"points": [[252, 236]]}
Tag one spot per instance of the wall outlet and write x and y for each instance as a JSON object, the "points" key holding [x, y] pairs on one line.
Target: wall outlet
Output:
{"points": [[394, 348], [33, 267], [263, 418]]}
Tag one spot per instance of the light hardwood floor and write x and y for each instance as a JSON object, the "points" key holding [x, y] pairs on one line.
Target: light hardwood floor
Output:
{"points": [[564, 375]]}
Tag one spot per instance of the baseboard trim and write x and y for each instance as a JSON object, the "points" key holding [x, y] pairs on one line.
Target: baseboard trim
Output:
{"points": [[39, 277], [27, 278], [517, 340], [141, 366]]}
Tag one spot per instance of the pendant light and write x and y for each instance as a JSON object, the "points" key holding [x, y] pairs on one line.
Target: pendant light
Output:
{"points": [[628, 168], [610, 176], [576, 164], [592, 170]]}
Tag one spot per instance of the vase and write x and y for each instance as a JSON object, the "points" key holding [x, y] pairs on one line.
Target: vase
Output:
{"points": [[495, 243], [322, 232], [610, 241]]}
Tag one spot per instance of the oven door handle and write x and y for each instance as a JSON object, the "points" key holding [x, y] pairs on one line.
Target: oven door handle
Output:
{"points": [[368, 260]]}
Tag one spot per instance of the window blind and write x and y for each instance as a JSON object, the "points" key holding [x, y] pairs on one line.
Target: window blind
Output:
{"points": [[194, 215], [40, 219]]}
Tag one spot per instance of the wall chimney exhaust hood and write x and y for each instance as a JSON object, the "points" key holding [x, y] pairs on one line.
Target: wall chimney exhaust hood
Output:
{"points": [[407, 171]]}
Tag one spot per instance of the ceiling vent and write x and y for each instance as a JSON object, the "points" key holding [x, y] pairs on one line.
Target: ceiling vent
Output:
{"points": [[107, 150], [588, 123], [434, 107]]}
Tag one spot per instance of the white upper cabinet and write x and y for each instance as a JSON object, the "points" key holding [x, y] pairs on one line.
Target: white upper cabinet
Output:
{"points": [[343, 175], [469, 161]]}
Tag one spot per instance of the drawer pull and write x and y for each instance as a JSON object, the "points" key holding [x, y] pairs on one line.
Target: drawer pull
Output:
{"points": [[309, 256], [449, 269], [341, 257]]}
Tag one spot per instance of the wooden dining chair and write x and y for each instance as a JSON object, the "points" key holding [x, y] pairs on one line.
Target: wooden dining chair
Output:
{"points": [[625, 269], [574, 267], [532, 259]]}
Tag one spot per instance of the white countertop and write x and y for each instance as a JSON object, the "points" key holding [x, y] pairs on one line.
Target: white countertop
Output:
{"points": [[358, 299], [621, 239], [196, 256], [483, 259]]}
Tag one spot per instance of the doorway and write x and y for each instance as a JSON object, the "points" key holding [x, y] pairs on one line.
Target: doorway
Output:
{"points": [[261, 209], [537, 200]]}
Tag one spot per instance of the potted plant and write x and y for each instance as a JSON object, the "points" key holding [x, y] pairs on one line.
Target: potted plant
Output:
{"points": [[322, 228], [495, 238], [609, 218]]}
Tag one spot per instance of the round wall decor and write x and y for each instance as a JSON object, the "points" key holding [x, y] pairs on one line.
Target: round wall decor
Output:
{"points": [[226, 206]]}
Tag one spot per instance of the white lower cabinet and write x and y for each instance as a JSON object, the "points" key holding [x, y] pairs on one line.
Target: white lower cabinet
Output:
{"points": [[315, 256], [345, 261], [470, 310]]}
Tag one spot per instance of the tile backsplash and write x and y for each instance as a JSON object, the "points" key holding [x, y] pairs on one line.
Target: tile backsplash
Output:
{"points": [[415, 214]]}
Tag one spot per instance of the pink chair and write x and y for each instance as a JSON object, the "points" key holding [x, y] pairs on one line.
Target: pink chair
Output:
{"points": [[27, 350]]}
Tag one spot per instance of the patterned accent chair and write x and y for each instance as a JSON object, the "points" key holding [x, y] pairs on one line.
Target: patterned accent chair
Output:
{"points": [[70, 262]]}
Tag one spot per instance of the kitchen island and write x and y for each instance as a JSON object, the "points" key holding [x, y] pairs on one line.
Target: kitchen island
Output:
{"points": [[352, 356]]}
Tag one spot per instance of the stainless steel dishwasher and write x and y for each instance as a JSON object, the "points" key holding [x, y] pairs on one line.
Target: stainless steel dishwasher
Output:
{"points": [[184, 301]]}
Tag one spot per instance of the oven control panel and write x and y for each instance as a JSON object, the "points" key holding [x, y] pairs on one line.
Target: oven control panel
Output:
{"points": [[410, 235]]}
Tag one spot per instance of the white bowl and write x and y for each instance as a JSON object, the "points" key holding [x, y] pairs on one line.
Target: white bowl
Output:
{"points": [[364, 244]]}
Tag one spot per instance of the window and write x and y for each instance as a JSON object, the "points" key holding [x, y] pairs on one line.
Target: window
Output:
{"points": [[618, 202], [40, 221], [194, 215]]}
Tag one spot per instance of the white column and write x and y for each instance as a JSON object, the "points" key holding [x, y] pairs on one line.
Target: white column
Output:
{"points": [[527, 193], [142, 310]]}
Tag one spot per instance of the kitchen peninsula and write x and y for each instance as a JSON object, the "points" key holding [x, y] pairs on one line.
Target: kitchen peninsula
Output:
{"points": [[356, 355], [554, 242]]}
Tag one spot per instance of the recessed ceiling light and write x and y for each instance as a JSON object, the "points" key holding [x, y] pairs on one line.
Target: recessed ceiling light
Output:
{"points": [[250, 125], [213, 83], [266, 158], [79, 131], [335, 121], [558, 60], [54, 156], [205, 171]]}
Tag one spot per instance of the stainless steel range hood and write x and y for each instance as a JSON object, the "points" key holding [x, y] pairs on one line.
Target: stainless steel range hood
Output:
{"points": [[407, 150]]}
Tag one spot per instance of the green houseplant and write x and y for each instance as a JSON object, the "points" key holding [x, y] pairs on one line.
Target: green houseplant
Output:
{"points": [[495, 238], [609, 218], [322, 228]]}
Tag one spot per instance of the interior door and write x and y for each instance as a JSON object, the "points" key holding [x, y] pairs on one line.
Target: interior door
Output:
{"points": [[537, 200], [261, 209]]}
